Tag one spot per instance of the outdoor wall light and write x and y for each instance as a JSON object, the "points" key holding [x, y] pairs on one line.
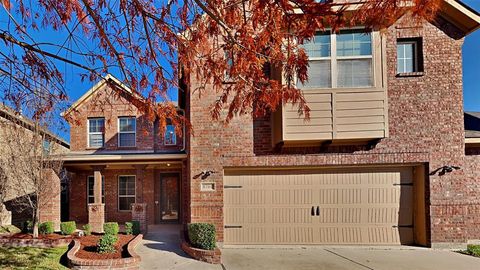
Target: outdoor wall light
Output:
{"points": [[445, 169], [204, 174]]}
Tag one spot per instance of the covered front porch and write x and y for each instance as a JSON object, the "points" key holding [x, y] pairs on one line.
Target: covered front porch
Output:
{"points": [[148, 188]]}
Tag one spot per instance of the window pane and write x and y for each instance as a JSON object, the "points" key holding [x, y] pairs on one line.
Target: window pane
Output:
{"points": [[127, 124], [354, 43], [96, 125], [124, 203], [95, 140], [408, 65], [126, 185], [127, 139], [355, 73], [319, 74], [400, 66], [170, 136], [319, 46], [400, 50], [406, 57]]}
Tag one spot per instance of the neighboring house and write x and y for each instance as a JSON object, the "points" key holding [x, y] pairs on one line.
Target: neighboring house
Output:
{"points": [[111, 138], [16, 129], [376, 164]]}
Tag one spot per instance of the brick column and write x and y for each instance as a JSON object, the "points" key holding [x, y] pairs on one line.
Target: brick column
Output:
{"points": [[49, 199], [96, 210], [96, 216], [139, 213]]}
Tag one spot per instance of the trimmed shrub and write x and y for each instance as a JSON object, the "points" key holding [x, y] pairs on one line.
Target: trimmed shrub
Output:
{"points": [[128, 228], [27, 227], [136, 227], [110, 228], [87, 229], [202, 235], [106, 244], [46, 227], [473, 250], [68, 227]]}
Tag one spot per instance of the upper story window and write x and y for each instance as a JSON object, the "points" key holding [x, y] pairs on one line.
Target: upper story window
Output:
{"points": [[126, 131], [409, 56], [340, 60], [90, 193], [170, 136], [96, 132]]}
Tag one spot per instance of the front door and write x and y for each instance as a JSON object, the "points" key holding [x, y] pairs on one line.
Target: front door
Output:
{"points": [[169, 208]]}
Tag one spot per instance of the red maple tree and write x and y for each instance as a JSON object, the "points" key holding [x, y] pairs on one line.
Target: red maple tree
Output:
{"points": [[140, 40]]}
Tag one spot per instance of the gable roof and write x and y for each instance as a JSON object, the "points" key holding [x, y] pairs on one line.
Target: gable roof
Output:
{"points": [[472, 124], [461, 15], [109, 78], [11, 115]]}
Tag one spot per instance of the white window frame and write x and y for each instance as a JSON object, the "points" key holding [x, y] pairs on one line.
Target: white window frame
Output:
{"points": [[93, 196], [127, 132], [126, 196], [414, 56], [174, 136], [95, 133], [334, 60]]}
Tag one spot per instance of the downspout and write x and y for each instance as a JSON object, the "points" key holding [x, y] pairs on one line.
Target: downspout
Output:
{"points": [[184, 134]]}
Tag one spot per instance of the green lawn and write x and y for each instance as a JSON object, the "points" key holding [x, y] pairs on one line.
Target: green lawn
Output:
{"points": [[31, 258]]}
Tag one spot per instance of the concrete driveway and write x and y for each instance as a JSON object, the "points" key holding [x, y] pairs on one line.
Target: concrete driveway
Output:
{"points": [[351, 258], [160, 249]]}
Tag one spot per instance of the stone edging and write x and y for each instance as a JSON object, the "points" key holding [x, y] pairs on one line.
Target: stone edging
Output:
{"points": [[209, 256], [35, 242], [132, 262]]}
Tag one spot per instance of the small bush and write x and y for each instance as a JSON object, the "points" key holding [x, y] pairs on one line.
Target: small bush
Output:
{"points": [[473, 250], [46, 227], [27, 227], [87, 229], [128, 228], [111, 228], [68, 227], [136, 227], [202, 235], [106, 244]]}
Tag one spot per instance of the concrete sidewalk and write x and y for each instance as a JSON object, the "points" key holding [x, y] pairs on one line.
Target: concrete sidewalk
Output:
{"points": [[160, 249]]}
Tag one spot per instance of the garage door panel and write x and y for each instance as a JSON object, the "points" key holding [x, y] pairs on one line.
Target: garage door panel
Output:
{"points": [[355, 206]]}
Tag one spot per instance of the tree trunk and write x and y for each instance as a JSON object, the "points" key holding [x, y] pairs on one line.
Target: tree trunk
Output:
{"points": [[35, 222]]}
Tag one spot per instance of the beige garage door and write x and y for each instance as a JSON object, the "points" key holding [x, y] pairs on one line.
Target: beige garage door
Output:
{"points": [[348, 206]]}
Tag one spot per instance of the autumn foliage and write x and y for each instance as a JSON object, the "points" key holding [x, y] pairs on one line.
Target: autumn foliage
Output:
{"points": [[152, 45]]}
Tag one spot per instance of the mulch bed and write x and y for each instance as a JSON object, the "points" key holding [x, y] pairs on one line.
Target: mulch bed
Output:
{"points": [[88, 248], [52, 236]]}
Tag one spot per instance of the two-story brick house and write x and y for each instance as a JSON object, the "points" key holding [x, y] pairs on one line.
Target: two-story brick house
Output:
{"points": [[116, 151], [382, 160]]}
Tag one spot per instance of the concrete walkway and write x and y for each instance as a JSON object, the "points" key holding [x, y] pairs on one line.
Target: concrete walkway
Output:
{"points": [[160, 249]]}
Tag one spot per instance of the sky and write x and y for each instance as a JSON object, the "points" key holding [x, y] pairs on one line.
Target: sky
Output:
{"points": [[471, 66], [471, 69]]}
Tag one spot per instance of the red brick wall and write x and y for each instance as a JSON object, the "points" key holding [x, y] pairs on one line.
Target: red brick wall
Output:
{"points": [[111, 105], [49, 199], [425, 126], [78, 194]]}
